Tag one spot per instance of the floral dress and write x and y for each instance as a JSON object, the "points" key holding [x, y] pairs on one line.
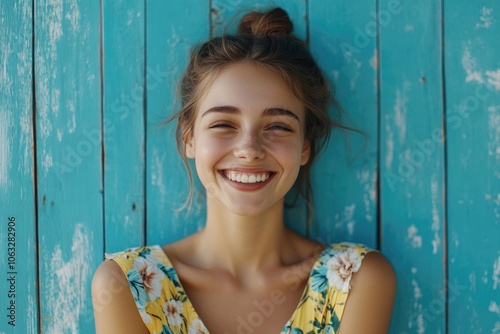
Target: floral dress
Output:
{"points": [[165, 308]]}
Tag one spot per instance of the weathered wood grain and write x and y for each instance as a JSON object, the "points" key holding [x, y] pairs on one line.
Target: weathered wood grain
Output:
{"points": [[125, 79], [69, 180], [345, 176], [472, 74], [412, 206], [18, 250]]}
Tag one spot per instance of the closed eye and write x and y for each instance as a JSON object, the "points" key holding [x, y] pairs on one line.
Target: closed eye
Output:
{"points": [[220, 125], [280, 127]]}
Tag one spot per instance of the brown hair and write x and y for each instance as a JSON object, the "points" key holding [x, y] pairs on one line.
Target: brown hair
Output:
{"points": [[264, 39]]}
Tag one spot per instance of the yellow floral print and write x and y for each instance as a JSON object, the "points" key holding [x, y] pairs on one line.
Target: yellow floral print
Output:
{"points": [[165, 308]]}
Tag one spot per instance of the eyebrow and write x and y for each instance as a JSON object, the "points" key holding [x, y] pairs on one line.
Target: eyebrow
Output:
{"points": [[267, 111]]}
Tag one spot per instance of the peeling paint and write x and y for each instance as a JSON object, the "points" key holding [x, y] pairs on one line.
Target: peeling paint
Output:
{"points": [[417, 308], [469, 64], [127, 222], [416, 240], [436, 224], [494, 308], [496, 273], [5, 147], [494, 131], [472, 282], [73, 16], [389, 144], [54, 18], [485, 277], [486, 18], [130, 17], [157, 176], [70, 105], [401, 109], [346, 219], [56, 96], [66, 288], [368, 180], [5, 79], [493, 78], [5, 120], [496, 330], [173, 40], [26, 141], [496, 209], [31, 312]]}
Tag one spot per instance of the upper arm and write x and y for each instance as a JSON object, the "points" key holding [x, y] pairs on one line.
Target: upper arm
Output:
{"points": [[373, 289], [115, 310]]}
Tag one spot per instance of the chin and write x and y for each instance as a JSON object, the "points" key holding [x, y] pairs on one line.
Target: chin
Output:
{"points": [[247, 209]]}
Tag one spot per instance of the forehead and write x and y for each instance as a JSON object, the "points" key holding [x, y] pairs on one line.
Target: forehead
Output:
{"points": [[250, 87]]}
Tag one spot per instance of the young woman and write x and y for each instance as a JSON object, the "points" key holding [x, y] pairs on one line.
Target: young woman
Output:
{"points": [[253, 118]]}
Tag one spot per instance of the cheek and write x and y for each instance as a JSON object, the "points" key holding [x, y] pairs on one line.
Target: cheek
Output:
{"points": [[287, 153], [207, 146]]}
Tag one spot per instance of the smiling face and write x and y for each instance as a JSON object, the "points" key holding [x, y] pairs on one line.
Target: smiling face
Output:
{"points": [[248, 139]]}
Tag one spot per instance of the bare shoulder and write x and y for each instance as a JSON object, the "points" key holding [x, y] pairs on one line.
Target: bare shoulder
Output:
{"points": [[375, 266], [371, 298], [113, 302]]}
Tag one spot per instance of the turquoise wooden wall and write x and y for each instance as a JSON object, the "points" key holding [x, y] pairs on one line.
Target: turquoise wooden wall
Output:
{"points": [[84, 167]]}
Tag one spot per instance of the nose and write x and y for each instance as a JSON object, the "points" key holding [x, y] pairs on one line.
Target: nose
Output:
{"points": [[249, 147]]}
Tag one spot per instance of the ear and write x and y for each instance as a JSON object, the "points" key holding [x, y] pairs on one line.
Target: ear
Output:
{"points": [[189, 148], [306, 153]]}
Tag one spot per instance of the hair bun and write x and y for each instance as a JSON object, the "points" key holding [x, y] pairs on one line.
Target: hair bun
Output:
{"points": [[273, 22]]}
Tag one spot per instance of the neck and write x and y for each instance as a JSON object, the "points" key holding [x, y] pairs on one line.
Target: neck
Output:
{"points": [[240, 244]]}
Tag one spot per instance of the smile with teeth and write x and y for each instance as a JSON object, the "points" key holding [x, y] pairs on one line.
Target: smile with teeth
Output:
{"points": [[247, 177]]}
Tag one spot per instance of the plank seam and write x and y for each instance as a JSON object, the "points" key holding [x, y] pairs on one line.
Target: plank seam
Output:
{"points": [[378, 242], [145, 122], [210, 27], [103, 148], [35, 164], [445, 176]]}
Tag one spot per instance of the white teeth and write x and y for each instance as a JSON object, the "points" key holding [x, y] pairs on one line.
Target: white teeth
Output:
{"points": [[247, 178]]}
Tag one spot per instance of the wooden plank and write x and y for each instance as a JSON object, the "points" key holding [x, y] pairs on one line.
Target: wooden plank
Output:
{"points": [[225, 16], [412, 161], [70, 201], [473, 154], [123, 101], [172, 29], [345, 179], [18, 295]]}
